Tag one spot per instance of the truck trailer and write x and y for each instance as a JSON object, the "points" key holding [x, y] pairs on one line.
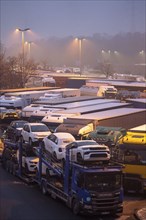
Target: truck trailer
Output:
{"points": [[85, 188], [94, 188]]}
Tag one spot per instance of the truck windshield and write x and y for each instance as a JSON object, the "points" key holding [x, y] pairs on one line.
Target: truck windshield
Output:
{"points": [[102, 181], [132, 154]]}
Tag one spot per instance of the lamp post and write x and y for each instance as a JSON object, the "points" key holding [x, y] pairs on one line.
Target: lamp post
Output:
{"points": [[22, 37], [80, 40]]}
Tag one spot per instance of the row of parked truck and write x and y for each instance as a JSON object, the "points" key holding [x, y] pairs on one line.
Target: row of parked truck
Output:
{"points": [[88, 175]]}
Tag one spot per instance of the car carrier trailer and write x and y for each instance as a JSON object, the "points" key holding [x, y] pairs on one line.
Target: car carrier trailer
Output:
{"points": [[20, 160], [85, 188], [94, 188]]}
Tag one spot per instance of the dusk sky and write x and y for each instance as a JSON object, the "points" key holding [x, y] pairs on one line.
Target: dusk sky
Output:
{"points": [[72, 18]]}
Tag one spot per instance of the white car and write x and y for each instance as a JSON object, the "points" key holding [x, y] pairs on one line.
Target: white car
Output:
{"points": [[88, 150], [55, 143], [29, 161], [34, 132]]}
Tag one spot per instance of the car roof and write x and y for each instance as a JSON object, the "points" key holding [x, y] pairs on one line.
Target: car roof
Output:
{"points": [[82, 141], [34, 123], [63, 135]]}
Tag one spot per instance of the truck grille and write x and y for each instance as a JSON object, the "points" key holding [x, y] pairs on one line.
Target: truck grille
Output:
{"points": [[99, 155], [101, 203]]}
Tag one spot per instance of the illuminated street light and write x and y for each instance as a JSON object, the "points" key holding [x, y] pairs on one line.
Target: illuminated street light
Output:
{"points": [[22, 36], [116, 52], [80, 40], [141, 52], [22, 32]]}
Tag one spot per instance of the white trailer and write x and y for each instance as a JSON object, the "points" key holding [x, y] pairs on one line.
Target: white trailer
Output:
{"points": [[65, 92], [12, 102], [28, 110], [55, 119], [39, 114], [24, 98]]}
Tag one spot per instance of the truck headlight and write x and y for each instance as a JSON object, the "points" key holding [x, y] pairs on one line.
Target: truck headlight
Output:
{"points": [[88, 199]]}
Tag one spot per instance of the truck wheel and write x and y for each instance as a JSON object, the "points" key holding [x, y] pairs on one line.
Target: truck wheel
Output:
{"points": [[75, 207], [44, 187]]}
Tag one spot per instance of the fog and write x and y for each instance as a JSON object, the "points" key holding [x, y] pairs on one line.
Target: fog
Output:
{"points": [[122, 51]]}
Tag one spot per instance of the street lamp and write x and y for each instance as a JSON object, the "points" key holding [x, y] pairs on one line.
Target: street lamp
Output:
{"points": [[22, 34], [80, 40]]}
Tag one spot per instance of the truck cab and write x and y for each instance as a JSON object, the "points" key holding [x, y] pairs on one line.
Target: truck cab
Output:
{"points": [[130, 152], [79, 128], [107, 135]]}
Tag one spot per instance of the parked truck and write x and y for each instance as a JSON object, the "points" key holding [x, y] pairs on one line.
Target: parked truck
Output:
{"points": [[93, 189], [85, 188], [105, 90], [131, 152], [79, 128], [107, 135]]}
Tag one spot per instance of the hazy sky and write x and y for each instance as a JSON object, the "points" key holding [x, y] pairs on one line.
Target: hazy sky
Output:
{"points": [[65, 18]]}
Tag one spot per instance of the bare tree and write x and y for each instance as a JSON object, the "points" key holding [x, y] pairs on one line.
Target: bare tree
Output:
{"points": [[106, 68], [14, 71]]}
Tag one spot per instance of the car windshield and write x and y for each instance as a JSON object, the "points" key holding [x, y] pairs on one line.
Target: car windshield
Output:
{"points": [[100, 181], [135, 154], [39, 128], [20, 124]]}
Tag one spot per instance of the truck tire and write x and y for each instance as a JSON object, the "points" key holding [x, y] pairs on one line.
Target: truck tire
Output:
{"points": [[75, 207], [44, 188]]}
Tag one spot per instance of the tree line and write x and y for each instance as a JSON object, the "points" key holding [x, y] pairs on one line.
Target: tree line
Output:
{"points": [[15, 70]]}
